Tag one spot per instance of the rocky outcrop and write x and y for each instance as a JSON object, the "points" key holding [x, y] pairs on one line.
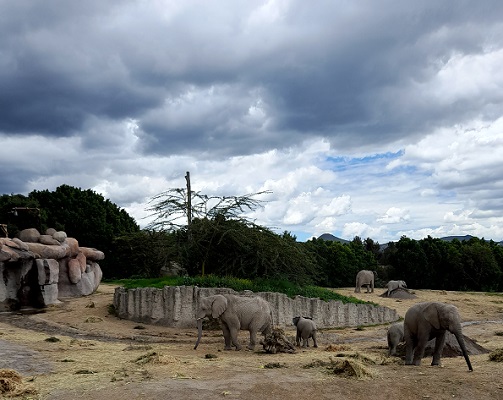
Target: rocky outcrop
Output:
{"points": [[176, 306], [38, 270]]}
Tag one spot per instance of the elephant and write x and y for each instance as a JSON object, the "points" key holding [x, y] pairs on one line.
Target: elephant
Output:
{"points": [[306, 328], [425, 321], [364, 277], [395, 336], [393, 285], [235, 313]]}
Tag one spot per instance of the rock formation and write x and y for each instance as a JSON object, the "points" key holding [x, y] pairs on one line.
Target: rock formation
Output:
{"points": [[39, 269]]}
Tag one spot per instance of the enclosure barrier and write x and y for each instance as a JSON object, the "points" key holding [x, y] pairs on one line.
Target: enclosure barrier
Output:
{"points": [[175, 306]]}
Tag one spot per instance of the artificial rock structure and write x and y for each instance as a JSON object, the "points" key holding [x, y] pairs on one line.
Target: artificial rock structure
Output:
{"points": [[38, 270], [176, 306]]}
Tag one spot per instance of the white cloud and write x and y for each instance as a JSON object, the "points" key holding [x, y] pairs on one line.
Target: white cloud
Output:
{"points": [[394, 215], [367, 132]]}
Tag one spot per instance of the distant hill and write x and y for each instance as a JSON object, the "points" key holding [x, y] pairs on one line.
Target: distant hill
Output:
{"points": [[331, 238], [460, 238]]}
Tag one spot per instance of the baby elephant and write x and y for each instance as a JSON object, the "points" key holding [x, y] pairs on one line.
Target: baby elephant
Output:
{"points": [[306, 328], [395, 336]]}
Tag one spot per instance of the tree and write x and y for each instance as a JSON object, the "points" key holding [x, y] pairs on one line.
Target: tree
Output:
{"points": [[220, 240], [171, 209]]}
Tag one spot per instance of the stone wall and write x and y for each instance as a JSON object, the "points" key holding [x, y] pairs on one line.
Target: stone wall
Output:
{"points": [[38, 270], [175, 306]]}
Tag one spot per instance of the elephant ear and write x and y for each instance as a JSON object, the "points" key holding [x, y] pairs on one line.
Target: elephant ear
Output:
{"points": [[219, 306], [430, 314]]}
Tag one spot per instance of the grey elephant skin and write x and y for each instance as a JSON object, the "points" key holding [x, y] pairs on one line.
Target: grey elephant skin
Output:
{"points": [[365, 277], [395, 336], [393, 285], [306, 329], [427, 321], [235, 313]]}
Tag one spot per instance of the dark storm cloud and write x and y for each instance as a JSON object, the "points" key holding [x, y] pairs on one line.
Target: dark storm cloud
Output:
{"points": [[354, 72]]}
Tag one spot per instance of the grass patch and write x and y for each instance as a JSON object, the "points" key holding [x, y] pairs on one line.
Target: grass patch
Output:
{"points": [[496, 355], [274, 365], [260, 285]]}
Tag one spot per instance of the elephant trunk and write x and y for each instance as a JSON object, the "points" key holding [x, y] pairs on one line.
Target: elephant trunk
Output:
{"points": [[461, 342], [199, 331]]}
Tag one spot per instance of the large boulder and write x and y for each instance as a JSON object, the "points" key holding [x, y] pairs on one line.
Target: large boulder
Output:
{"points": [[47, 251], [30, 235], [92, 254], [39, 269], [48, 239]]}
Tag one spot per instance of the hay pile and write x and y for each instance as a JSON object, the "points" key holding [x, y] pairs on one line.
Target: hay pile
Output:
{"points": [[11, 384], [351, 368], [347, 365], [277, 342]]}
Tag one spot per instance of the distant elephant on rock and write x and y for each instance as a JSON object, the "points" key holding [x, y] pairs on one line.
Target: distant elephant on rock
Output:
{"points": [[306, 328], [365, 277], [393, 285]]}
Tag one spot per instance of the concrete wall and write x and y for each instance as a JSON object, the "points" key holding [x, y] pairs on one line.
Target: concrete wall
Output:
{"points": [[175, 306]]}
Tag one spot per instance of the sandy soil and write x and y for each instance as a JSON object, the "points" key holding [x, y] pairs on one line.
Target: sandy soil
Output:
{"points": [[91, 354]]}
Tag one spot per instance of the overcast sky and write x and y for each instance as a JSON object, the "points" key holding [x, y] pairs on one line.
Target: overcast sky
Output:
{"points": [[371, 118]]}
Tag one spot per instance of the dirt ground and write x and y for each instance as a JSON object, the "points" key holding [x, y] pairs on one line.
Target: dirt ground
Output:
{"points": [[78, 350]]}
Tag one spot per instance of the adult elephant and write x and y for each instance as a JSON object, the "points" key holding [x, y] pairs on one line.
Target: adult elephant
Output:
{"points": [[393, 285], [235, 313], [365, 277], [427, 321]]}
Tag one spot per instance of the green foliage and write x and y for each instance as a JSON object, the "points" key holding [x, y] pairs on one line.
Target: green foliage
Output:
{"points": [[430, 263], [259, 285], [82, 214], [339, 263], [144, 253]]}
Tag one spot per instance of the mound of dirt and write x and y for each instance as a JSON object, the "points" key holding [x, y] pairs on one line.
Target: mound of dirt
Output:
{"points": [[451, 348], [399, 293]]}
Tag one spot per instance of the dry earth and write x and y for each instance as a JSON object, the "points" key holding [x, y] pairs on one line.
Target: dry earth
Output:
{"points": [[94, 355]]}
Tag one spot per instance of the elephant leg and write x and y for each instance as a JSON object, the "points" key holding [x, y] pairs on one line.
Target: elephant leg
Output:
{"points": [[253, 339], [315, 343], [297, 339], [234, 338], [227, 337], [439, 346], [422, 341], [409, 348]]}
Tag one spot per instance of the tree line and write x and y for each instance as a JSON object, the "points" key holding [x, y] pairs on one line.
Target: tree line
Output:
{"points": [[220, 241]]}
